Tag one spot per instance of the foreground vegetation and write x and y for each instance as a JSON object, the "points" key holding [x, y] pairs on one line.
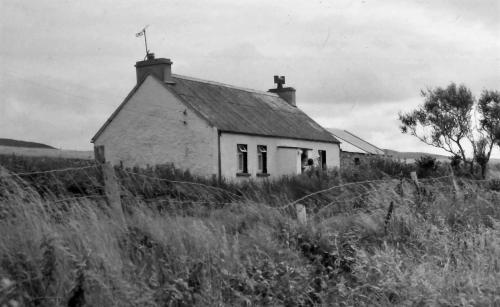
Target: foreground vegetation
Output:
{"points": [[382, 242]]}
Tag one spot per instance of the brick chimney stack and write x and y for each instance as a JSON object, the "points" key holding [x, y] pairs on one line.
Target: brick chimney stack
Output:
{"points": [[160, 68], [286, 93]]}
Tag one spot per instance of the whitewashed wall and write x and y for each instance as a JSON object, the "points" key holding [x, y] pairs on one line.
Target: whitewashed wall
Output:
{"points": [[284, 163], [152, 129]]}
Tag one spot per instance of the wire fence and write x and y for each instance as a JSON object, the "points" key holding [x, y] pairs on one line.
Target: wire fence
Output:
{"points": [[88, 184]]}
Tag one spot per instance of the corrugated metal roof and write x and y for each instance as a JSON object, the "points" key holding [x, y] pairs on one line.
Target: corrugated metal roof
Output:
{"points": [[353, 143], [246, 111]]}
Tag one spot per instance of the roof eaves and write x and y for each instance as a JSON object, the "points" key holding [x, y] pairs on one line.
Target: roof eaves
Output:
{"points": [[334, 141]]}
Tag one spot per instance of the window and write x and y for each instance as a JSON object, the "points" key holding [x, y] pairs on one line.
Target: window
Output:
{"points": [[242, 158], [262, 159], [357, 161], [322, 159]]}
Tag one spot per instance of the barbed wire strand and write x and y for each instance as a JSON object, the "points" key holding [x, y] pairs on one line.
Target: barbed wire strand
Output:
{"points": [[77, 198], [369, 187], [10, 174], [183, 182], [188, 202], [337, 187], [343, 201]]}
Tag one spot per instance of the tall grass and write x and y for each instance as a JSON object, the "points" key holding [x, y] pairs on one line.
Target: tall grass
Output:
{"points": [[436, 248]]}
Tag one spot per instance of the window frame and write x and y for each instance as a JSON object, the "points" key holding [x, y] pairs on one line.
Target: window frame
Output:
{"points": [[242, 158], [262, 159]]}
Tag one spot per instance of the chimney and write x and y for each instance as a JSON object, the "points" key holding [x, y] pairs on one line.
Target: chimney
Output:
{"points": [[286, 93], [160, 68]]}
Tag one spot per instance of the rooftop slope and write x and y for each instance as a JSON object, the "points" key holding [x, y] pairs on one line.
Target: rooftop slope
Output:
{"points": [[245, 111], [353, 143]]}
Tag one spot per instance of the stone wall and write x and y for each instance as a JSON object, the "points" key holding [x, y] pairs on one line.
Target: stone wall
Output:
{"points": [[351, 159]]}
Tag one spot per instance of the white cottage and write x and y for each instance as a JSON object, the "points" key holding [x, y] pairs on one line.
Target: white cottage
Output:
{"points": [[213, 129]]}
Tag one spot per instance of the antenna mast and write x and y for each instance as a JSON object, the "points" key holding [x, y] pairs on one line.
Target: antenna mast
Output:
{"points": [[143, 33]]}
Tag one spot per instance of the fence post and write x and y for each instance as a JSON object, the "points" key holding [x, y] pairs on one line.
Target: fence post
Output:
{"points": [[301, 214], [111, 186], [414, 177], [454, 181], [401, 188], [99, 154], [456, 188], [3, 172], [388, 216]]}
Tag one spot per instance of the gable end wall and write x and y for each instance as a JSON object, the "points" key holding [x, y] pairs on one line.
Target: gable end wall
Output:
{"points": [[154, 127]]}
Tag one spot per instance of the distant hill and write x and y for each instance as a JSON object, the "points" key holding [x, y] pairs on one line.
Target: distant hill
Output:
{"points": [[25, 144], [24, 148], [46, 152], [412, 156]]}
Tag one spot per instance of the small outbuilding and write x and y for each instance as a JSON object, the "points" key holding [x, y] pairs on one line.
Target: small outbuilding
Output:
{"points": [[213, 129], [353, 149]]}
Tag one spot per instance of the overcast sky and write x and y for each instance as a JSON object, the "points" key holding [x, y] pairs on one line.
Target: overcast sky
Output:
{"points": [[66, 65]]}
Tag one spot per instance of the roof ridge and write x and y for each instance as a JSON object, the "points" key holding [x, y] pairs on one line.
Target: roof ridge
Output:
{"points": [[225, 85]]}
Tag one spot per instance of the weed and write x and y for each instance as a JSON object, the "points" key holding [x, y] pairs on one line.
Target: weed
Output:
{"points": [[370, 243]]}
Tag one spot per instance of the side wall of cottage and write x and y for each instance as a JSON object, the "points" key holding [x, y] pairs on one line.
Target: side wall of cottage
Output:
{"points": [[283, 155], [154, 127]]}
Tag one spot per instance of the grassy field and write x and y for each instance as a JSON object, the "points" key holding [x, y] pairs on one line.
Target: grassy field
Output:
{"points": [[371, 239], [46, 152]]}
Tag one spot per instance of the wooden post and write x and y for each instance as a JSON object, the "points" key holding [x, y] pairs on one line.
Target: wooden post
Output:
{"points": [[111, 186], [99, 154], [401, 188], [112, 191], [414, 177], [301, 214], [3, 172], [388, 216], [455, 185], [456, 188]]}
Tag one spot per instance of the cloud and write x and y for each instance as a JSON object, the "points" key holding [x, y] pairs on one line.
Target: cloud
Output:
{"points": [[353, 63], [377, 124], [51, 111], [484, 13]]}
